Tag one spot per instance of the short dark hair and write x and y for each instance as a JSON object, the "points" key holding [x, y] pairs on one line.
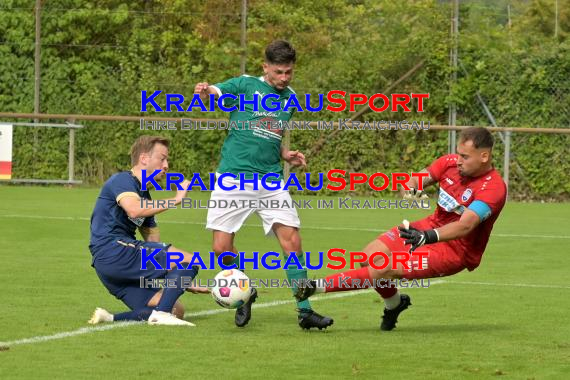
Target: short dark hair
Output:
{"points": [[280, 52], [145, 144], [480, 136]]}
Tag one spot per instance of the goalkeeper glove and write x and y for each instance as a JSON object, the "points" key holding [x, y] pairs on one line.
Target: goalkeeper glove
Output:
{"points": [[416, 237]]}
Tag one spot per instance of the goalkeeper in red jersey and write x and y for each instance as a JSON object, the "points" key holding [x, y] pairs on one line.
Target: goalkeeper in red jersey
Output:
{"points": [[471, 197]]}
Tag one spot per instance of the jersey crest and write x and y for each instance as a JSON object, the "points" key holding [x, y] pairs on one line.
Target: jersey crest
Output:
{"points": [[466, 195]]}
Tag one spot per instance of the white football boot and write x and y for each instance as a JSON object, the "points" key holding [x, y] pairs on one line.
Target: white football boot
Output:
{"points": [[164, 318], [99, 316]]}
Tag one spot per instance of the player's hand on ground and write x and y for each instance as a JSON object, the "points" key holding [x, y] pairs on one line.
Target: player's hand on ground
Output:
{"points": [[295, 158], [180, 194], [415, 194], [202, 89], [416, 237], [198, 290]]}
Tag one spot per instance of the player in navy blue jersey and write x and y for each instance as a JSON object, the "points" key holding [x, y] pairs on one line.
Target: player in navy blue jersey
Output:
{"points": [[116, 252]]}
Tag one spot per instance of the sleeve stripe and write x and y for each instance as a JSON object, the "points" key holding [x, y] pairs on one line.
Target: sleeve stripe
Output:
{"points": [[217, 90], [127, 194]]}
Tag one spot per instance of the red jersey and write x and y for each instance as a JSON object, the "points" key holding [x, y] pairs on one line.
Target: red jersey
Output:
{"points": [[486, 195]]}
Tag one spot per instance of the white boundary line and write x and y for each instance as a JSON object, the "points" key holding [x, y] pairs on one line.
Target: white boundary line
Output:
{"points": [[324, 228], [89, 330], [67, 334], [541, 286]]}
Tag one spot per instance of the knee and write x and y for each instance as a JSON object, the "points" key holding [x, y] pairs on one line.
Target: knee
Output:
{"points": [[220, 246], [368, 251], [380, 274], [387, 272], [391, 274], [367, 258], [292, 243]]}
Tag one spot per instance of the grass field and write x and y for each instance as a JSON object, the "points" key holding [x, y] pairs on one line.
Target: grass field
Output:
{"points": [[509, 318]]}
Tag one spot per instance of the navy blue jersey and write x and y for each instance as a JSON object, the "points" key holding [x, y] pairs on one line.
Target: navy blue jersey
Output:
{"points": [[109, 222]]}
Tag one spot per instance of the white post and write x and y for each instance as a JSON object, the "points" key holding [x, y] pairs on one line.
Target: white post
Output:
{"points": [[453, 58], [507, 158], [71, 158]]}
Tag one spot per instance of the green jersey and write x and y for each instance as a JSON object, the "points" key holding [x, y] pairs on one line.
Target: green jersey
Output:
{"points": [[253, 149]]}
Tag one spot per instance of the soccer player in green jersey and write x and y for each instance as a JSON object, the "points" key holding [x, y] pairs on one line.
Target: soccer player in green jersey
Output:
{"points": [[255, 148]]}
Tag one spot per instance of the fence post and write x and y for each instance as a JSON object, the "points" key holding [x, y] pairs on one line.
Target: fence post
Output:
{"points": [[243, 42], [507, 158], [71, 157], [453, 55], [37, 59]]}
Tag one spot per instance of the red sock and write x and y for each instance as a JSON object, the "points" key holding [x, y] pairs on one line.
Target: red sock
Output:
{"points": [[387, 291], [349, 280]]}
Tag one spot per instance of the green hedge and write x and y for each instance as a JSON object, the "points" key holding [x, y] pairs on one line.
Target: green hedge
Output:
{"points": [[97, 57]]}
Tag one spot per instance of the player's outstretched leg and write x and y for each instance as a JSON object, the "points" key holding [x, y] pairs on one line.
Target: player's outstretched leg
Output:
{"points": [[224, 242], [390, 317], [161, 315], [167, 319], [243, 313], [307, 317], [344, 281], [100, 315], [290, 242], [305, 290]]}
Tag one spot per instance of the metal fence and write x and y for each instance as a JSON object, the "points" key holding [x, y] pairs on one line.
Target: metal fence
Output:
{"points": [[507, 136], [36, 155]]}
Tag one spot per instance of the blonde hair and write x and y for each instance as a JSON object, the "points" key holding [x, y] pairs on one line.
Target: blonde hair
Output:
{"points": [[145, 144]]}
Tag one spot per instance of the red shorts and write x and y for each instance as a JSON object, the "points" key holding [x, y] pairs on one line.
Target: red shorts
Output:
{"points": [[442, 260]]}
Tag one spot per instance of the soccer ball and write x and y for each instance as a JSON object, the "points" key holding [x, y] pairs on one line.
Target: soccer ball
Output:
{"points": [[231, 289]]}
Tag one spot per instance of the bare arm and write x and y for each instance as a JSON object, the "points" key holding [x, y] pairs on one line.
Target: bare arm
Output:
{"points": [[150, 233], [460, 228], [204, 89], [414, 183], [293, 157], [134, 209], [455, 230]]}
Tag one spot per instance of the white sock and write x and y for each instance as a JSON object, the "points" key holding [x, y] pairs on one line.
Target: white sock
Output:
{"points": [[393, 302]]}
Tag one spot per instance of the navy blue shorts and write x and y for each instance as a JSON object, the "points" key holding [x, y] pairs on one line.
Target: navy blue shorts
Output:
{"points": [[119, 269]]}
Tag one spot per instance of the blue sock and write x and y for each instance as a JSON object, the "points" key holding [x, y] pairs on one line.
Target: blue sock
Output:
{"points": [[170, 295], [134, 315]]}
